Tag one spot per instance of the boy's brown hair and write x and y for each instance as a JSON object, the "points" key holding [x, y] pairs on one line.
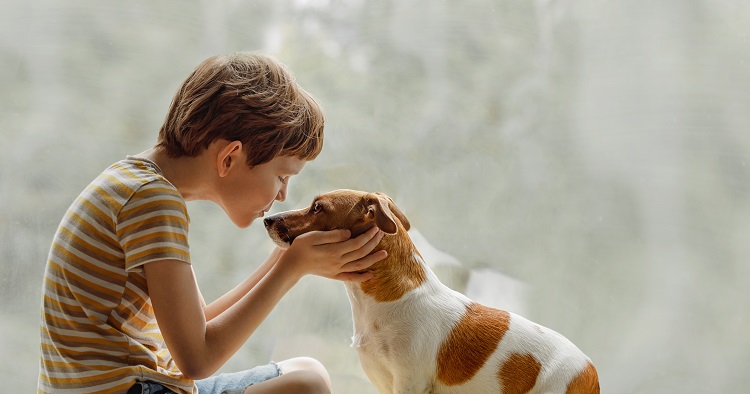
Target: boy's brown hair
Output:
{"points": [[245, 97]]}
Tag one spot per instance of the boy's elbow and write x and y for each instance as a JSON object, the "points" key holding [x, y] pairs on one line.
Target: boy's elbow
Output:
{"points": [[196, 370], [195, 358]]}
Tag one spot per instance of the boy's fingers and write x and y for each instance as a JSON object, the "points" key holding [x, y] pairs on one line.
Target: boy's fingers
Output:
{"points": [[328, 237], [365, 249], [365, 262], [354, 277], [361, 240]]}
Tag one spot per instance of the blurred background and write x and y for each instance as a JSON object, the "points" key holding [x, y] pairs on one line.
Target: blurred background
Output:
{"points": [[591, 156]]}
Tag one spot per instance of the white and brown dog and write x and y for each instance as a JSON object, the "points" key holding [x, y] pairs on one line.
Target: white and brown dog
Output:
{"points": [[415, 335]]}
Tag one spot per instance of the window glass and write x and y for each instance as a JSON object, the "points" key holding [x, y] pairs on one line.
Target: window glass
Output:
{"points": [[586, 164]]}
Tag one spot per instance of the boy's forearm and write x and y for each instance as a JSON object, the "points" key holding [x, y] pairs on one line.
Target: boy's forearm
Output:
{"points": [[199, 346], [228, 331], [220, 305]]}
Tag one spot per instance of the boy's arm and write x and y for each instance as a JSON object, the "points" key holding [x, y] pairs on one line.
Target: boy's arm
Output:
{"points": [[222, 303], [199, 345], [195, 279]]}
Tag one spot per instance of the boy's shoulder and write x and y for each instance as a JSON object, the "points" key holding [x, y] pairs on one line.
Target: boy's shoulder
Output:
{"points": [[132, 176], [135, 171]]}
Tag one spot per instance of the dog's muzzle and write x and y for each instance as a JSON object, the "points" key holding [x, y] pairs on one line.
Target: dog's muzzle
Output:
{"points": [[278, 231], [269, 221]]}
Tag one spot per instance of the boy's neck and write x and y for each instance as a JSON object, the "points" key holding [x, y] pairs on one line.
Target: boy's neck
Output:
{"points": [[190, 175]]}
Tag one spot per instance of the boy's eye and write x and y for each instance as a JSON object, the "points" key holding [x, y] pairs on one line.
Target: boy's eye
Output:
{"points": [[284, 179]]}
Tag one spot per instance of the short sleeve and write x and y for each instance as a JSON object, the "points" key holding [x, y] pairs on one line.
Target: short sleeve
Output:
{"points": [[153, 225]]}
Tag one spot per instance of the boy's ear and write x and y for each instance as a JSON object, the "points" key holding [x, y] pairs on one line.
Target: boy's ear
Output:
{"points": [[228, 156]]}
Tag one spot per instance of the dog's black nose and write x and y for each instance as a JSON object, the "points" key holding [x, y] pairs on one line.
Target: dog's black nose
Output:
{"points": [[268, 222]]}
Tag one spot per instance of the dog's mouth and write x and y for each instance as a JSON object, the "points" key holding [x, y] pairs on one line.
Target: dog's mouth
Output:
{"points": [[279, 232], [285, 238]]}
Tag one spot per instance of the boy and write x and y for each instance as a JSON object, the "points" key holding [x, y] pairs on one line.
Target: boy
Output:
{"points": [[122, 311]]}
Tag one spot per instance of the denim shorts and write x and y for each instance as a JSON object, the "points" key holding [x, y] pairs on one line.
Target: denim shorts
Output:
{"points": [[237, 382], [226, 383]]}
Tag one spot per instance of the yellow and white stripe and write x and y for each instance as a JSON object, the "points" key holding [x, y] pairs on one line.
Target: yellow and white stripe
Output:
{"points": [[98, 331]]}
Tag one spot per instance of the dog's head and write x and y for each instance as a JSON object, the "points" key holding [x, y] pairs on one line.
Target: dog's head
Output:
{"points": [[340, 209]]}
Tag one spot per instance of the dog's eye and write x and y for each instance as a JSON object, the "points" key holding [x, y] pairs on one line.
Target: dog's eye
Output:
{"points": [[316, 208]]}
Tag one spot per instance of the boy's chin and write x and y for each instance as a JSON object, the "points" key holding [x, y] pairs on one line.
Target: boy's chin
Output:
{"points": [[242, 223], [241, 220]]}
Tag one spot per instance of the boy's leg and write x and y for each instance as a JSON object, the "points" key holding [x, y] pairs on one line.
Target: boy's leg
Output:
{"points": [[298, 375], [306, 364]]}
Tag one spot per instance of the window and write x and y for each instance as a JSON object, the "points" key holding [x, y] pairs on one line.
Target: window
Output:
{"points": [[594, 156]]}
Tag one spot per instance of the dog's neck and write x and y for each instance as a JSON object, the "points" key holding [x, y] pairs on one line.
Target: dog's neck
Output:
{"points": [[397, 274]]}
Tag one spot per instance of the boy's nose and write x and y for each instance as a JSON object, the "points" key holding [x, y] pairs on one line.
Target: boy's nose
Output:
{"points": [[281, 196]]}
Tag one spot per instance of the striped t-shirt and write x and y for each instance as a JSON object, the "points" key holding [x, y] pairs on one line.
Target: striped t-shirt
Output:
{"points": [[98, 331]]}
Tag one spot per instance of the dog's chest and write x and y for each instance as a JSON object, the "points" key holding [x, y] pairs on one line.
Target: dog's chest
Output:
{"points": [[403, 336]]}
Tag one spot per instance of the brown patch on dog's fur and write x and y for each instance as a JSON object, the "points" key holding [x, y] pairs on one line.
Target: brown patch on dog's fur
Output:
{"points": [[470, 343], [586, 382], [398, 273], [518, 373]]}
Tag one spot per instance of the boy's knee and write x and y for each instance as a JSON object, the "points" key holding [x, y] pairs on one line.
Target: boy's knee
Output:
{"points": [[308, 374], [304, 381]]}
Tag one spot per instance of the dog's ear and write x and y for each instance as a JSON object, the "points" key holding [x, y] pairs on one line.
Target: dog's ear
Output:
{"points": [[382, 209], [396, 211]]}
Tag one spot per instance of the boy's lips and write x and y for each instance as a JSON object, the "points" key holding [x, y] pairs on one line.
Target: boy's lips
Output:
{"points": [[265, 211]]}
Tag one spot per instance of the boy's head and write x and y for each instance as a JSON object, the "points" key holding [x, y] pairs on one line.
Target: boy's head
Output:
{"points": [[245, 97]]}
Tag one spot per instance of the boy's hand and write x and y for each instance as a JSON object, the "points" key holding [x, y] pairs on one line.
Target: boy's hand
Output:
{"points": [[332, 254]]}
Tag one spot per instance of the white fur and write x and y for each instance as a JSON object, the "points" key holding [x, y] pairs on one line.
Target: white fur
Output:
{"points": [[399, 356]]}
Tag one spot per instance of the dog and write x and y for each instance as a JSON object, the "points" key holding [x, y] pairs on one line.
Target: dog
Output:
{"points": [[415, 335]]}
